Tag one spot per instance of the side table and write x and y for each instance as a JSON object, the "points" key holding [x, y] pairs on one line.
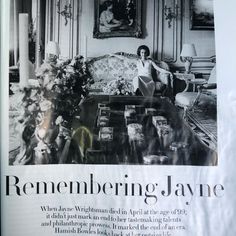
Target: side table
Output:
{"points": [[190, 79]]}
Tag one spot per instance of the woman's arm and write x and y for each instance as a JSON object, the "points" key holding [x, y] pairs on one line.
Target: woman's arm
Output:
{"points": [[116, 21], [157, 68]]}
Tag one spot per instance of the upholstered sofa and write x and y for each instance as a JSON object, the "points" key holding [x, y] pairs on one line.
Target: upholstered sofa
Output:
{"points": [[112, 67]]}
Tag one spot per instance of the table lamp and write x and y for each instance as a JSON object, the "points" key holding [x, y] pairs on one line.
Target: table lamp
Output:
{"points": [[53, 51], [187, 54]]}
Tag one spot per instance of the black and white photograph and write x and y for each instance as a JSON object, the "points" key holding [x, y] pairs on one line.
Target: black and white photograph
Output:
{"points": [[84, 88], [117, 117]]}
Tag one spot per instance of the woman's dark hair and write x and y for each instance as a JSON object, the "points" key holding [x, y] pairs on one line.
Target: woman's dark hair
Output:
{"points": [[107, 4], [145, 48]]}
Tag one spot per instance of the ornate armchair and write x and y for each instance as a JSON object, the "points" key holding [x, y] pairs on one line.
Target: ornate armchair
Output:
{"points": [[205, 95], [210, 87]]}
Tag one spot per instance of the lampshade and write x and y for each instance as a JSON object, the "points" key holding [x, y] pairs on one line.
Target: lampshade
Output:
{"points": [[188, 50], [53, 48]]}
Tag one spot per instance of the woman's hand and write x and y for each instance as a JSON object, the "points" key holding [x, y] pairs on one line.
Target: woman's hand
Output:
{"points": [[117, 22]]}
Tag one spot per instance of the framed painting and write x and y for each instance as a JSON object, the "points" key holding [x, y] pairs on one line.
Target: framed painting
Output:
{"points": [[117, 18], [201, 15]]}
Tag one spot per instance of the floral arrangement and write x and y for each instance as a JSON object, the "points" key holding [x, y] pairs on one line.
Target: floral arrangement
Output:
{"points": [[119, 87], [49, 109], [64, 84]]}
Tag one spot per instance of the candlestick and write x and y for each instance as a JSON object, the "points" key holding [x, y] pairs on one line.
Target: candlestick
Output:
{"points": [[24, 50], [15, 34]]}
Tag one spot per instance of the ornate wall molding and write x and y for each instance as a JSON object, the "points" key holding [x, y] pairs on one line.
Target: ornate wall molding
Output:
{"points": [[169, 36], [166, 39], [66, 35]]}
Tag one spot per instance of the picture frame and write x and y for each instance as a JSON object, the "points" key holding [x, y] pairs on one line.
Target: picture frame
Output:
{"points": [[201, 15], [122, 19]]}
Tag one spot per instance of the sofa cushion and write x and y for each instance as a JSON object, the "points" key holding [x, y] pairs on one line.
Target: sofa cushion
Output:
{"points": [[98, 68], [97, 86], [130, 69], [163, 77], [118, 87], [115, 66]]}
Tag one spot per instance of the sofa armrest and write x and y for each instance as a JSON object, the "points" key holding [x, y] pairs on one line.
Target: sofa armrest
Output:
{"points": [[166, 79]]}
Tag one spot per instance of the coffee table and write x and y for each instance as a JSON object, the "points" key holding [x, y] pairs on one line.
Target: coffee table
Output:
{"points": [[179, 146]]}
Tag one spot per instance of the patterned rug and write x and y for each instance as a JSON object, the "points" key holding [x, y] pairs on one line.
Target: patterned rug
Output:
{"points": [[204, 124]]}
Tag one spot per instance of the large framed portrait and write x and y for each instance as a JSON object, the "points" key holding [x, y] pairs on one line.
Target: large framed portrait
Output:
{"points": [[117, 18], [201, 15]]}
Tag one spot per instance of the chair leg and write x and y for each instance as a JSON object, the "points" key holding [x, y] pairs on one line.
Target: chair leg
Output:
{"points": [[185, 113]]}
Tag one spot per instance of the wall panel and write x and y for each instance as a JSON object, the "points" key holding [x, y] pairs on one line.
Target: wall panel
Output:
{"points": [[57, 30], [165, 42]]}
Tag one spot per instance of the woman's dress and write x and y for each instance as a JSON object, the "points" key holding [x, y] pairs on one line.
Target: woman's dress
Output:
{"points": [[144, 81]]}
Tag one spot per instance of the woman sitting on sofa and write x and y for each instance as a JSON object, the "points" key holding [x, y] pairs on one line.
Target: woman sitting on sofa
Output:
{"points": [[144, 83]]}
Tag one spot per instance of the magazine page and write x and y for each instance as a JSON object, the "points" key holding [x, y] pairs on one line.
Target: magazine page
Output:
{"points": [[117, 117]]}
